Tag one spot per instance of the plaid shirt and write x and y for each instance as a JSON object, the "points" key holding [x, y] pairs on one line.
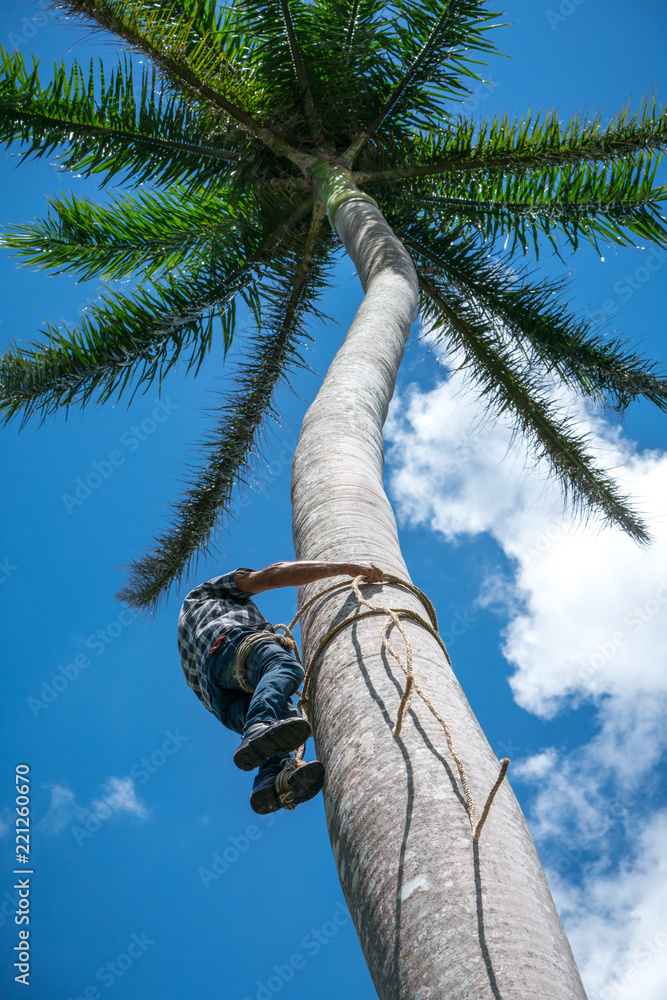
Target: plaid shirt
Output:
{"points": [[209, 610]]}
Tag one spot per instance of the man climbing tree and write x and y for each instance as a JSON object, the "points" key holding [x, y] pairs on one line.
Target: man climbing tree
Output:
{"points": [[243, 673], [257, 122]]}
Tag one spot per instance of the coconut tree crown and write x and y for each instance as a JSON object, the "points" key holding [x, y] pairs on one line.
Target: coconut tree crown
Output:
{"points": [[254, 121]]}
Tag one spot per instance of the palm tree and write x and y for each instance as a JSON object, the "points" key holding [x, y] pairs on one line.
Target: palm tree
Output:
{"points": [[255, 123]]}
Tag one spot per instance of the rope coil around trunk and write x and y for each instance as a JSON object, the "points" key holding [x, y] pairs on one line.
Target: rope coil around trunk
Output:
{"points": [[393, 618]]}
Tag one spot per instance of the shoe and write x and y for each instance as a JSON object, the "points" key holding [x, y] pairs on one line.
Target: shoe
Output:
{"points": [[296, 783], [266, 738]]}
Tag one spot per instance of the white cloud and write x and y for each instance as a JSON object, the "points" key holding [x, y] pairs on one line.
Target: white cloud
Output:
{"points": [[64, 810], [587, 622], [605, 858], [587, 606], [120, 797], [536, 767], [617, 923]]}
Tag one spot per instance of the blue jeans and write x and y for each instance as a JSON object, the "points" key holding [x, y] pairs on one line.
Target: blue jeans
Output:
{"points": [[274, 674]]}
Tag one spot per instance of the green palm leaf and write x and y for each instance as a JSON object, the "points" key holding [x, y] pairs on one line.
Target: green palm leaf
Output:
{"points": [[150, 232], [351, 54], [575, 202], [433, 42], [103, 124], [206, 66], [516, 389], [290, 293], [277, 34], [122, 341], [536, 317], [508, 145], [130, 340], [244, 111]]}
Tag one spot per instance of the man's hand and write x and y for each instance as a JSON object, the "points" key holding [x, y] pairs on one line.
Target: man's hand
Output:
{"points": [[296, 574], [370, 572]]}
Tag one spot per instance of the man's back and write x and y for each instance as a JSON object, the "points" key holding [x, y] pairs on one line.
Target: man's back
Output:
{"points": [[208, 611]]}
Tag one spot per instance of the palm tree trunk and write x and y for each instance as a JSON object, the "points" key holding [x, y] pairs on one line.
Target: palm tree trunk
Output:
{"points": [[438, 915]]}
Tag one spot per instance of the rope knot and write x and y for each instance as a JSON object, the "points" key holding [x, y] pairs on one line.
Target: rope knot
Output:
{"points": [[283, 790]]}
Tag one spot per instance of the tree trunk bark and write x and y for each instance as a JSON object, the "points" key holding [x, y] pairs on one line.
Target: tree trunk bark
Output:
{"points": [[439, 915]]}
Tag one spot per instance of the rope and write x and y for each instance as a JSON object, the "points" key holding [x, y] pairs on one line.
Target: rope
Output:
{"points": [[393, 618], [242, 655], [283, 790]]}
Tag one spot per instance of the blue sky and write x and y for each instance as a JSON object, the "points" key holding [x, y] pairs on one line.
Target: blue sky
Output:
{"points": [[153, 878]]}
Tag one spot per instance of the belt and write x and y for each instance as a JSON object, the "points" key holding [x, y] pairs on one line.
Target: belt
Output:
{"points": [[254, 628]]}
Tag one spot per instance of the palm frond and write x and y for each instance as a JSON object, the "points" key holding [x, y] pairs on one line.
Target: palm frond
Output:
{"points": [[206, 65], [539, 321], [275, 33], [205, 16], [435, 37], [517, 391], [121, 341], [130, 340], [103, 123], [433, 42], [150, 232], [354, 13], [298, 51], [287, 295], [304, 84], [507, 145], [575, 202], [352, 48]]}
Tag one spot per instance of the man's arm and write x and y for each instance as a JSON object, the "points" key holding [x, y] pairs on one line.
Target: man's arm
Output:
{"points": [[295, 574]]}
